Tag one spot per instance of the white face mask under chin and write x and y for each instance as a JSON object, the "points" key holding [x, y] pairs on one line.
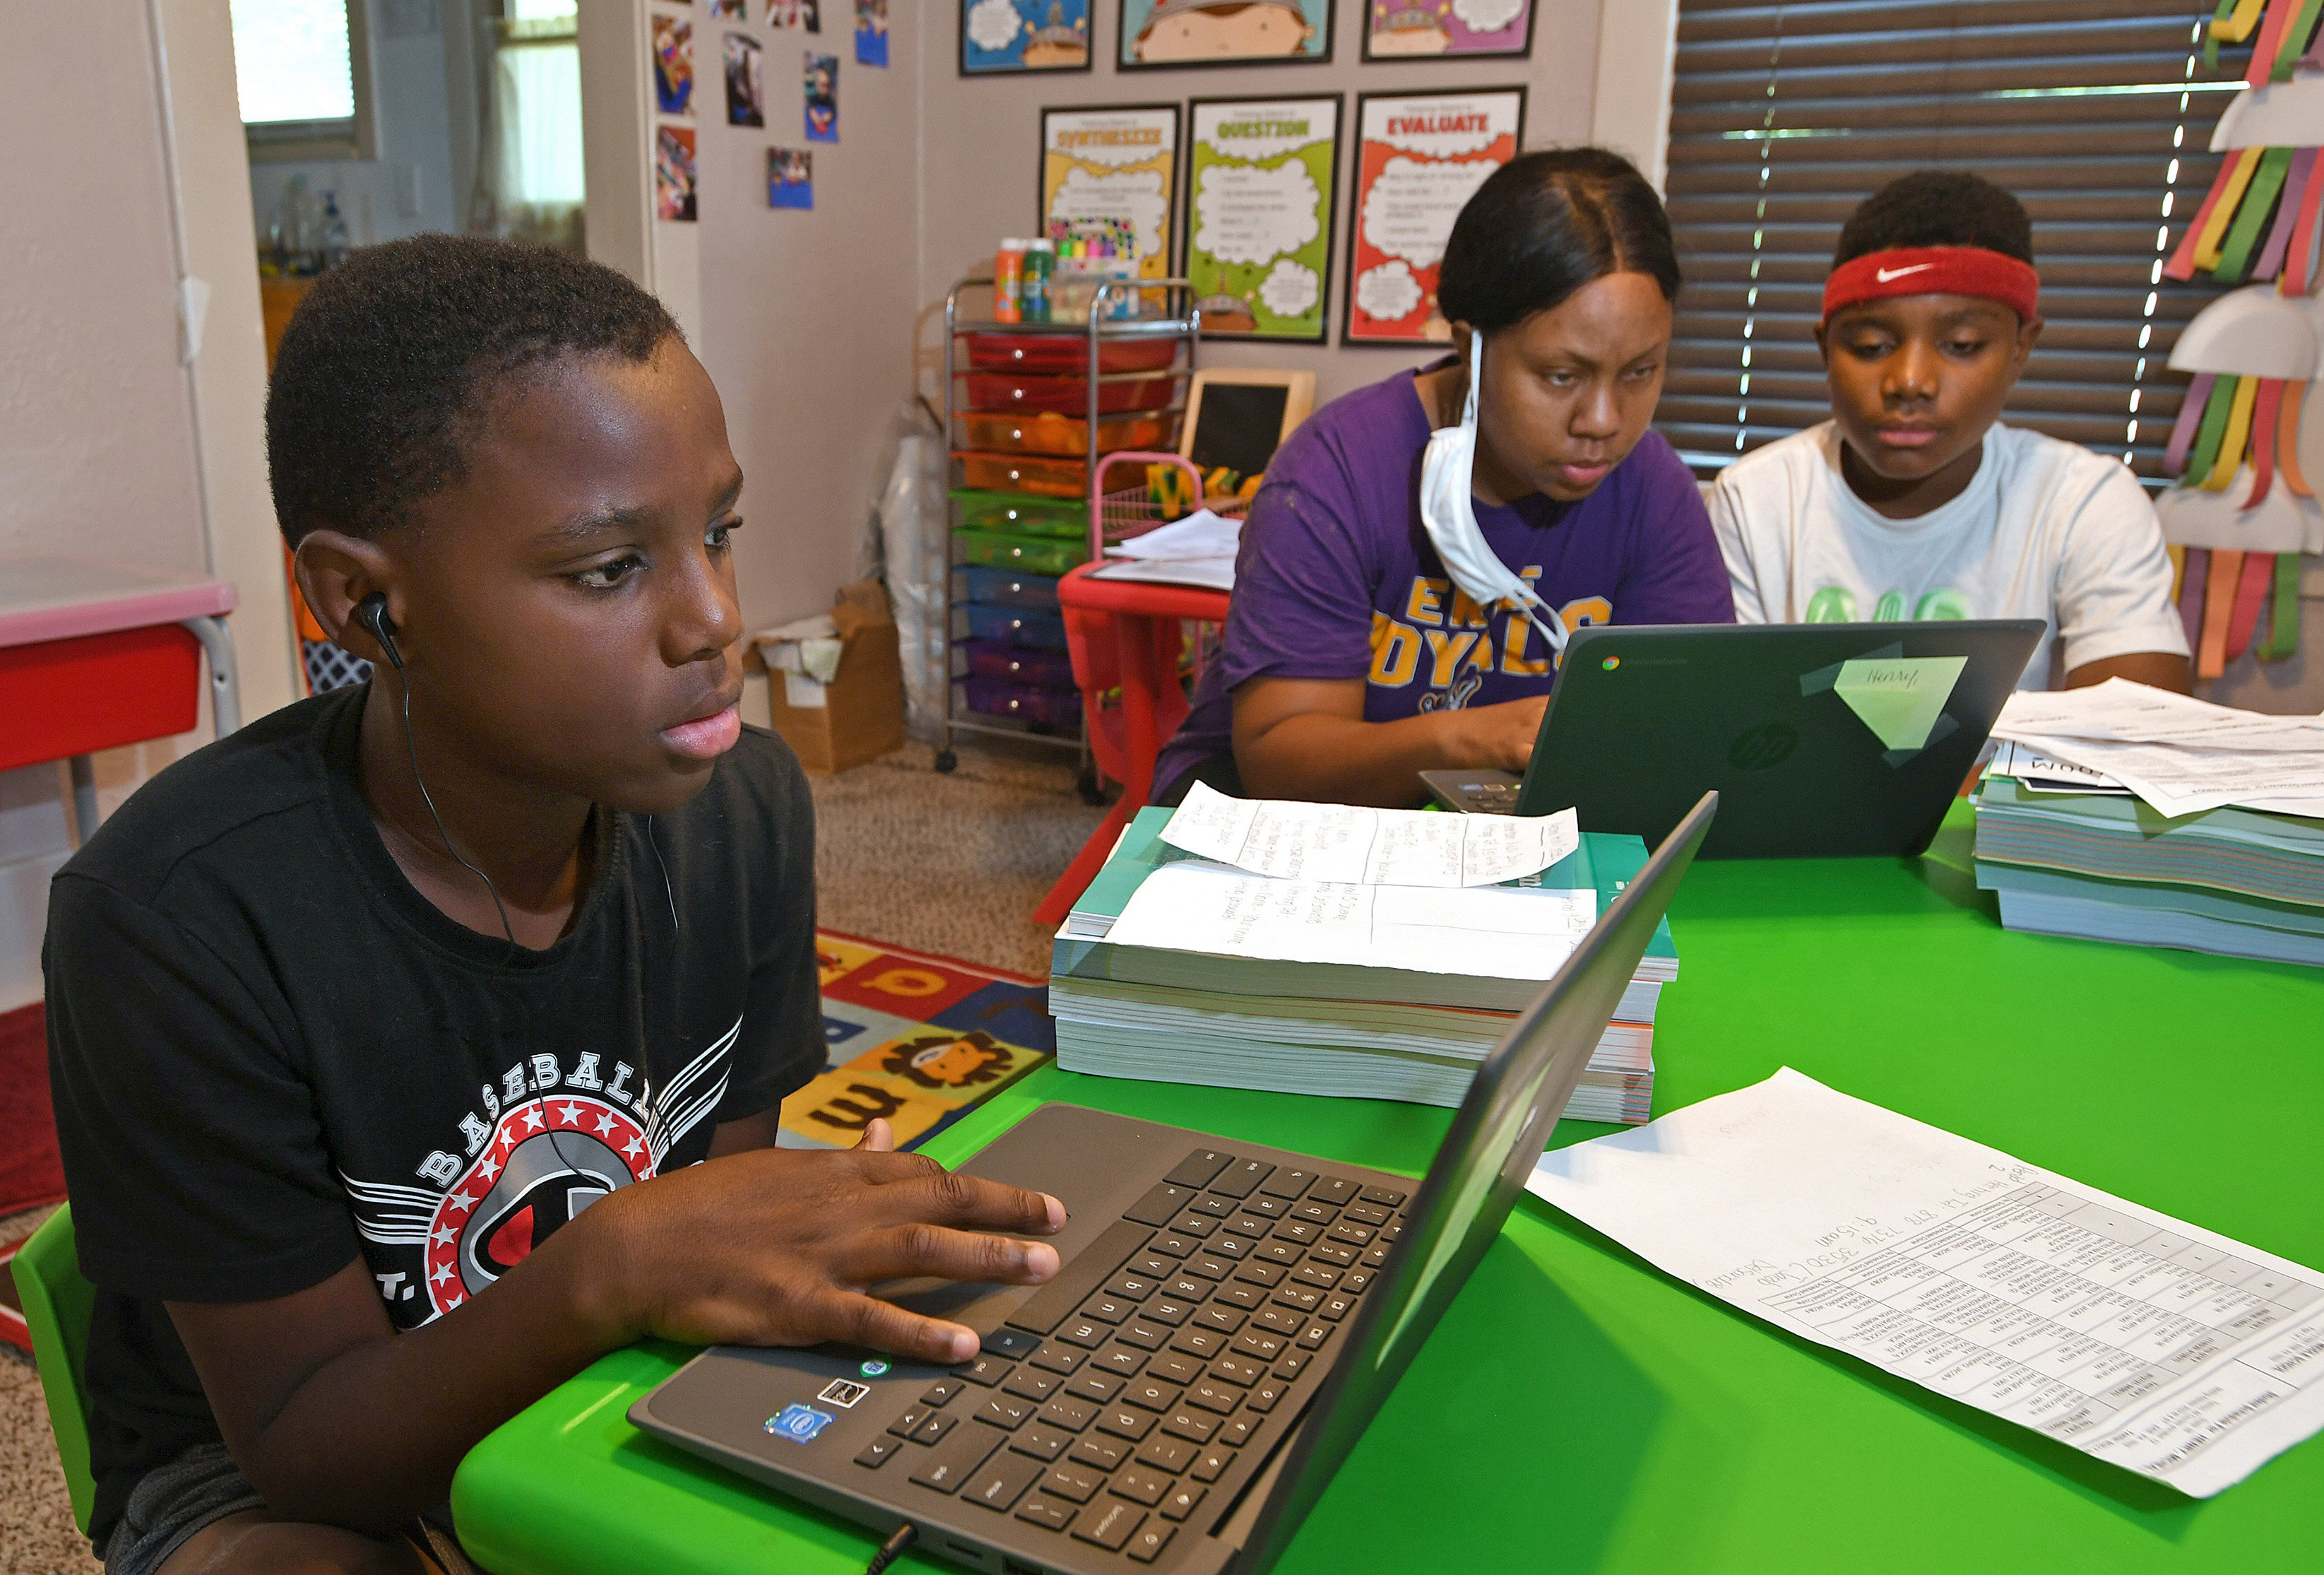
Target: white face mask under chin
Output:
{"points": [[1448, 514]]}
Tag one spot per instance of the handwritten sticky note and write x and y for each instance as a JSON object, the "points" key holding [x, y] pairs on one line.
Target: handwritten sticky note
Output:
{"points": [[1899, 698]]}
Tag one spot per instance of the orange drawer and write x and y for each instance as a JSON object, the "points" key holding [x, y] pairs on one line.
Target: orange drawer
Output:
{"points": [[1025, 472], [1047, 433]]}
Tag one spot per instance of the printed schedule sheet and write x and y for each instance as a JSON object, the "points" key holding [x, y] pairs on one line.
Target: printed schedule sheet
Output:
{"points": [[2163, 1348]]}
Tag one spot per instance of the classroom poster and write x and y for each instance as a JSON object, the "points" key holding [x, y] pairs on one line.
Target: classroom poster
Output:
{"points": [[1119, 163], [673, 64], [746, 81], [1419, 157], [1261, 174], [1023, 35], [871, 32], [1165, 34], [674, 171], [1397, 29], [790, 177], [822, 97]]}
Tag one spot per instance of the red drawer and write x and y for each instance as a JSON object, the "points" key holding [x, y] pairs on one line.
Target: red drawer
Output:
{"points": [[63, 698]]}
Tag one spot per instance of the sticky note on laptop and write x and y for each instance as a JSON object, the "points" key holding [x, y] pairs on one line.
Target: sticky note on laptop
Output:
{"points": [[1899, 698]]}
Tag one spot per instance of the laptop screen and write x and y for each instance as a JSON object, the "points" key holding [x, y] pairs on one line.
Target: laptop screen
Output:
{"points": [[1500, 1131]]}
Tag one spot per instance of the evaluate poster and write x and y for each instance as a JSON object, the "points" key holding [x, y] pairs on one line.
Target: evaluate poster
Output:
{"points": [[673, 64], [746, 81], [1118, 163], [1402, 30], [1419, 158], [1159, 34], [1261, 174], [790, 177], [1023, 35], [822, 97]]}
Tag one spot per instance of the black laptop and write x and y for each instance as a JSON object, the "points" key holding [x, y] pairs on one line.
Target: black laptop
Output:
{"points": [[1818, 738], [1226, 1320]]}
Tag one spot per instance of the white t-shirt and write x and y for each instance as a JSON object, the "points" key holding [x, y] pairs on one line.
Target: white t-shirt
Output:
{"points": [[2045, 530]]}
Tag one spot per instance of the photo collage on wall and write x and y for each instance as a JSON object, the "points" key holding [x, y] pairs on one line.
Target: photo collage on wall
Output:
{"points": [[1252, 229], [753, 98]]}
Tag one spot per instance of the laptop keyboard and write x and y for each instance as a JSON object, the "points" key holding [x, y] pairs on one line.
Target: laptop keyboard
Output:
{"points": [[1109, 1404], [1493, 797]]}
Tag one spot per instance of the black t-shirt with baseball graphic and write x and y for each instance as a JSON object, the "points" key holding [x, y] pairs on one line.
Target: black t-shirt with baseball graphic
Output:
{"points": [[271, 1056]]}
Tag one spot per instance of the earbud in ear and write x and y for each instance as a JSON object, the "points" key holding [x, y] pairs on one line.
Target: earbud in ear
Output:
{"points": [[372, 614]]}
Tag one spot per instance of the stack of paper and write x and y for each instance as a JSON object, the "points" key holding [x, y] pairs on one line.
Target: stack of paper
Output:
{"points": [[2121, 812], [1322, 948], [1199, 550]]}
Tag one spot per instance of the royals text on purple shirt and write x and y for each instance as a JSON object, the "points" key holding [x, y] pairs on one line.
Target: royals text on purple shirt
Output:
{"points": [[1336, 578]]}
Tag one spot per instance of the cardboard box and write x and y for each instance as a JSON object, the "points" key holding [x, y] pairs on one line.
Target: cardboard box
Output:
{"points": [[858, 714]]}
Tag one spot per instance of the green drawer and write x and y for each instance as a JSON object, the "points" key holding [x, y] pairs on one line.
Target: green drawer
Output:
{"points": [[1035, 554], [1022, 515]]}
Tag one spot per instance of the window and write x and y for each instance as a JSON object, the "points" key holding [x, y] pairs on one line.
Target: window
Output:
{"points": [[298, 70], [531, 184], [1784, 116]]}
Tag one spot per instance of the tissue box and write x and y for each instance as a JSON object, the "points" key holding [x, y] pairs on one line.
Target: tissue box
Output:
{"points": [[856, 712]]}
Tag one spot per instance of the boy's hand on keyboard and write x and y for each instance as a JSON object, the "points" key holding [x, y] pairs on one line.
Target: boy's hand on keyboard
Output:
{"points": [[1502, 736], [778, 1247]]}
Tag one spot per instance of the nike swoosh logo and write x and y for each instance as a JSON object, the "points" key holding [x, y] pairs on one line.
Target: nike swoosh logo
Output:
{"points": [[1886, 274]]}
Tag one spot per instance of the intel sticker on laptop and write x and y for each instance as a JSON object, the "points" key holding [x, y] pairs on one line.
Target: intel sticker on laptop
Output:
{"points": [[800, 1423]]}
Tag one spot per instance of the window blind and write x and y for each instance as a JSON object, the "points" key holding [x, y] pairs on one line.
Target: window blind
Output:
{"points": [[2098, 114]]}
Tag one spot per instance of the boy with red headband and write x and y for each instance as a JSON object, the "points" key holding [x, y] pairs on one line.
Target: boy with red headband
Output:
{"points": [[1914, 501]]}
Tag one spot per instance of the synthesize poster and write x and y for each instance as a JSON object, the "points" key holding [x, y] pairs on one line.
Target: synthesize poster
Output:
{"points": [[674, 171], [1261, 175], [673, 64], [822, 97], [1023, 35], [790, 177], [1157, 34], [746, 81], [1119, 162], [870, 32], [1419, 158], [1399, 30]]}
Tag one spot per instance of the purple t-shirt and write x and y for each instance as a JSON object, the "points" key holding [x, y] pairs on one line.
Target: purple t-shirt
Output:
{"points": [[1336, 578]]}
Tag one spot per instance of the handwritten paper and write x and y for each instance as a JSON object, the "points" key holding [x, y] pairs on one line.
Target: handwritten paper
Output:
{"points": [[2165, 1348], [1501, 931], [1899, 698], [1351, 843]]}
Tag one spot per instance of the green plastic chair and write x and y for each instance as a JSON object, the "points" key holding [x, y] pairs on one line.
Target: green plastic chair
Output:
{"points": [[57, 1308]]}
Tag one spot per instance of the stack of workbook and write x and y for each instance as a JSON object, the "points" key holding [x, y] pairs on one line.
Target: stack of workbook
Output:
{"points": [[1184, 969], [2124, 813]]}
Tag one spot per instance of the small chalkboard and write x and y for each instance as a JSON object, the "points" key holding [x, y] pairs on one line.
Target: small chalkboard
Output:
{"points": [[1238, 418]]}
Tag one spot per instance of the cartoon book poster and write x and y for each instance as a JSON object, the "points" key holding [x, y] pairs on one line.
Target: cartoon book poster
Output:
{"points": [[822, 97], [1397, 29], [1162, 34], [1419, 158], [673, 64], [1117, 163], [674, 171], [790, 177], [806, 14], [746, 81], [1260, 178], [1023, 35], [870, 32]]}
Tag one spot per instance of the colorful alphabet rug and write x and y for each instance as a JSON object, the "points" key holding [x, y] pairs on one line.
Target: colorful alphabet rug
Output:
{"points": [[917, 1039]]}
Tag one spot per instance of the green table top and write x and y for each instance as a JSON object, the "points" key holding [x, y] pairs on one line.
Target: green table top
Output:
{"points": [[1579, 1410]]}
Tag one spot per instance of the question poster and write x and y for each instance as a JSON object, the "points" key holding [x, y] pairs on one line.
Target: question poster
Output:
{"points": [[1399, 30], [1419, 158], [1260, 178], [1119, 163]]}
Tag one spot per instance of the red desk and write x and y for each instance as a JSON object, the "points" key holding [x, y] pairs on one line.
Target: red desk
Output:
{"points": [[1124, 634], [94, 655]]}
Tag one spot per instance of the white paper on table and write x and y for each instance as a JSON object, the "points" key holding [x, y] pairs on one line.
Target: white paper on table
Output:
{"points": [[2038, 772], [1365, 846], [1208, 573], [1492, 931], [2187, 781], [2137, 713], [1201, 534], [2165, 1348]]}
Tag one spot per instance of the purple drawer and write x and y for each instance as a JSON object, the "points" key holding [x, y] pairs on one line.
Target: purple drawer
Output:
{"points": [[997, 697], [1019, 664]]}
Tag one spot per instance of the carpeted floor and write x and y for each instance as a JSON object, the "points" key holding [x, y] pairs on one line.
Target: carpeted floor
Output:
{"points": [[946, 864]]}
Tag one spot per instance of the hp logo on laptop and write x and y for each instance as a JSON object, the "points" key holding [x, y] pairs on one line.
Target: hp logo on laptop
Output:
{"points": [[1762, 748]]}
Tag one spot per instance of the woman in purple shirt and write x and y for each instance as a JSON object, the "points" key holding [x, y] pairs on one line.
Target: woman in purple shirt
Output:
{"points": [[1354, 659]]}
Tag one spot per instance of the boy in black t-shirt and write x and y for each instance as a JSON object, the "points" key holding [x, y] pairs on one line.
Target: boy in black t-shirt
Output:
{"points": [[352, 1015]]}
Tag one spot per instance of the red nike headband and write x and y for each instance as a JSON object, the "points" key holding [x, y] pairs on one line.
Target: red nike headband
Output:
{"points": [[1934, 271]]}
